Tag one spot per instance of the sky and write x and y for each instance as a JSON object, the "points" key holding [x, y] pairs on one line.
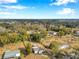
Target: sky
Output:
{"points": [[39, 9]]}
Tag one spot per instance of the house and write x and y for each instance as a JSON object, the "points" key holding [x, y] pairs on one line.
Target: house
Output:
{"points": [[11, 54], [77, 33], [64, 46], [31, 31], [50, 33], [37, 50]]}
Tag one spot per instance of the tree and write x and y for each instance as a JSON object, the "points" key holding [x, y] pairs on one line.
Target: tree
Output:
{"points": [[54, 47], [61, 33], [66, 30], [43, 33], [28, 48], [35, 37], [4, 39]]}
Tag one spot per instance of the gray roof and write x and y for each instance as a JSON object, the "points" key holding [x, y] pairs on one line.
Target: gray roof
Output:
{"points": [[37, 49], [9, 54], [77, 32]]}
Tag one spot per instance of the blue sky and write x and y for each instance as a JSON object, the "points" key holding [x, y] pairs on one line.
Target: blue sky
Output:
{"points": [[39, 9]]}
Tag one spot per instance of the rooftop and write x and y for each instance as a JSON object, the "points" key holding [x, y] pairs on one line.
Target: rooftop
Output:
{"points": [[9, 54]]}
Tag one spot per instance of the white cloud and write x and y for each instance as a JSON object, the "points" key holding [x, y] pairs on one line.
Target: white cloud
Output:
{"points": [[66, 11], [5, 13], [19, 7], [8, 1], [63, 2]]}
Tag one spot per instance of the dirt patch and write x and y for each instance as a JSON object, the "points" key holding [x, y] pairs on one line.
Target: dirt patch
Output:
{"points": [[35, 56]]}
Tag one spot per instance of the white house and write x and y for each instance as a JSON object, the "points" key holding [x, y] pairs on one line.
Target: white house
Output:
{"points": [[77, 33], [64, 46], [11, 54], [50, 33], [37, 50]]}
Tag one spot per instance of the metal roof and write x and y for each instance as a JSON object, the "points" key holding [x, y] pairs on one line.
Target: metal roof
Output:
{"points": [[64, 46], [9, 54]]}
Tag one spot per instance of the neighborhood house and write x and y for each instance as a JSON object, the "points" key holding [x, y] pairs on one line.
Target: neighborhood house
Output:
{"points": [[77, 33], [37, 50], [50, 33], [12, 54], [64, 46]]}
